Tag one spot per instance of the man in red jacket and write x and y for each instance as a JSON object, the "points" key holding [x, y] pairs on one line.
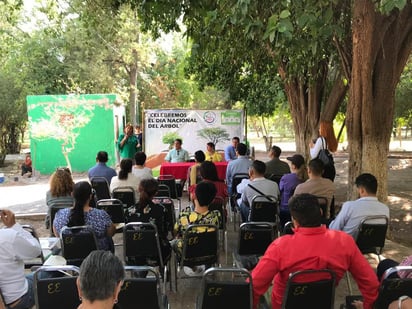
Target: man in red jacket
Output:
{"points": [[312, 246]]}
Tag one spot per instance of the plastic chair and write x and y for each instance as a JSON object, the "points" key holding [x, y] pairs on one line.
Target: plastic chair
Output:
{"points": [[125, 194], [141, 247], [200, 247], [170, 182], [101, 188], [392, 288], [77, 242], [40, 259], [167, 202], [253, 240], [310, 289], [54, 208], [145, 292], [265, 210], [163, 190], [275, 178], [219, 204], [56, 292], [225, 288], [114, 208], [236, 179]]}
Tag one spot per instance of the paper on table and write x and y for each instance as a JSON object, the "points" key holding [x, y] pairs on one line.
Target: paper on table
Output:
{"points": [[55, 260], [48, 242]]}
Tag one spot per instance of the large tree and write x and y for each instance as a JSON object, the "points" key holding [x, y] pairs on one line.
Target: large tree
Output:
{"points": [[382, 43]]}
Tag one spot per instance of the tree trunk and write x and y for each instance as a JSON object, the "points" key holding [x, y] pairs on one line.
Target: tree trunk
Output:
{"points": [[133, 89], [381, 46]]}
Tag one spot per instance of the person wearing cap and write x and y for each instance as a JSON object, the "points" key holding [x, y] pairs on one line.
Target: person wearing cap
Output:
{"points": [[288, 183], [275, 166]]}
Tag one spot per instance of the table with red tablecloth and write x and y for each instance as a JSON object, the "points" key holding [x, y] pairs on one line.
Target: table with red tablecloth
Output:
{"points": [[179, 170]]}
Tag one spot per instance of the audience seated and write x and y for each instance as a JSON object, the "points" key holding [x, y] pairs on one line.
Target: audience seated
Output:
{"points": [[26, 167], [100, 280], [194, 174], [249, 188], [312, 246], [82, 214], [353, 212], [101, 169], [16, 245], [230, 151], [205, 193], [388, 263], [211, 154], [61, 188], [147, 211], [208, 172], [139, 170], [240, 165], [126, 178], [316, 185], [275, 166], [288, 184]]}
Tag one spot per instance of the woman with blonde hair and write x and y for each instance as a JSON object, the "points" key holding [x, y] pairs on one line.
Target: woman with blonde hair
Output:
{"points": [[61, 188]]}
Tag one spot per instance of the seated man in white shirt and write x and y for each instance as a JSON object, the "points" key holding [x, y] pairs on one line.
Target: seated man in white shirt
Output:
{"points": [[353, 212], [16, 245], [258, 181]]}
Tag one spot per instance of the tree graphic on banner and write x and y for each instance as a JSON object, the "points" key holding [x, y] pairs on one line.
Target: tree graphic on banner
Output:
{"points": [[214, 135]]}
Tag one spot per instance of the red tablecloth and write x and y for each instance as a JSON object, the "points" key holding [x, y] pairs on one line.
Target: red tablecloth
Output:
{"points": [[179, 170]]}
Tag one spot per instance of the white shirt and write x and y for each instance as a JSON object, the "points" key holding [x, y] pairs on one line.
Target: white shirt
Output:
{"points": [[142, 173], [353, 212], [267, 187], [131, 181], [16, 245], [314, 151]]}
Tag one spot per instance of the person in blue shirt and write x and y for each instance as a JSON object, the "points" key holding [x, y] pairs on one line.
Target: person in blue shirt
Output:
{"points": [[177, 154], [101, 169], [230, 151]]}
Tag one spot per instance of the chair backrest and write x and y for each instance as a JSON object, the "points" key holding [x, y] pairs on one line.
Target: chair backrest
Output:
{"points": [[237, 179], [29, 263], [170, 181], [167, 202], [125, 194], [163, 190], [323, 204], [113, 207], [372, 234], [54, 208], [392, 288], [275, 178], [226, 288], [145, 292], [77, 242], [141, 242], [58, 290], [310, 289], [255, 237], [264, 210], [219, 204], [200, 245], [101, 188]]}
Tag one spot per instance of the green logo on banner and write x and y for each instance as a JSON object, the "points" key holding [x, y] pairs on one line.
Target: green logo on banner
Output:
{"points": [[231, 117]]}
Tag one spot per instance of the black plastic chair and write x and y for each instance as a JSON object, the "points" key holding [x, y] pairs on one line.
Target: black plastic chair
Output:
{"points": [[56, 291], [77, 242], [226, 288], [253, 240], [219, 204], [236, 179], [114, 208], [125, 194], [141, 247], [40, 259], [167, 202], [275, 178], [54, 208], [174, 188], [392, 288], [200, 247], [101, 188], [141, 292], [370, 238], [310, 289], [163, 190], [264, 209]]}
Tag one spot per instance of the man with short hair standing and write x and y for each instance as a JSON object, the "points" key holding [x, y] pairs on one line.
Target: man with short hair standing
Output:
{"points": [[177, 154], [16, 246], [353, 212], [312, 246], [275, 166], [230, 151], [101, 169]]}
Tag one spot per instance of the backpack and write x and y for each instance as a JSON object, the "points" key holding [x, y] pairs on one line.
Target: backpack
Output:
{"points": [[329, 165]]}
